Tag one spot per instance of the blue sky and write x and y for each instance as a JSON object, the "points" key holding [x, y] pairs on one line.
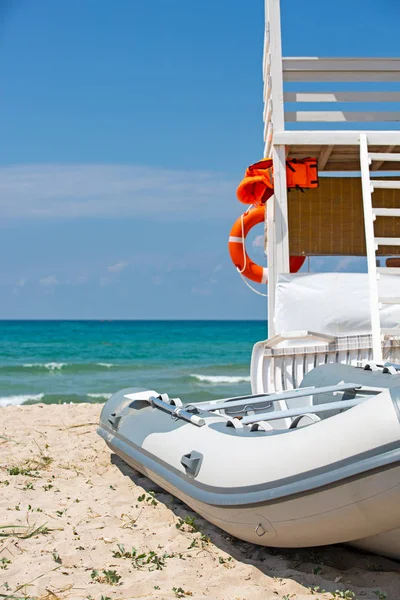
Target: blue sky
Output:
{"points": [[125, 127]]}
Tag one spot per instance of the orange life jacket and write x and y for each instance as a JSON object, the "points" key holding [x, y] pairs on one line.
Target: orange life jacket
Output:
{"points": [[258, 183]]}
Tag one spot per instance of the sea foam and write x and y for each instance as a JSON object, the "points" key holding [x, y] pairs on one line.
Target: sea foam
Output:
{"points": [[21, 399], [215, 379], [50, 366]]}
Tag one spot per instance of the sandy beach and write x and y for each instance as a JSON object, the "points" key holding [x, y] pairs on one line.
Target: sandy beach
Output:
{"points": [[77, 523]]}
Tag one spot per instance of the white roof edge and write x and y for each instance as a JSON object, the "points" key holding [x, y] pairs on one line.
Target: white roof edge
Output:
{"points": [[343, 58], [345, 138]]}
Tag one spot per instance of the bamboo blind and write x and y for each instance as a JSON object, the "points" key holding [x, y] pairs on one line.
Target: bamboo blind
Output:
{"points": [[329, 220]]}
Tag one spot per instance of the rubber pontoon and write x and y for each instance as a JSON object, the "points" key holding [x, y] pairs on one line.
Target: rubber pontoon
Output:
{"points": [[313, 466]]}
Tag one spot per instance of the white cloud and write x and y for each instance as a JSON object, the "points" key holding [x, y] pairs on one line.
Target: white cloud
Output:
{"points": [[48, 281], [69, 191], [21, 282], [258, 241], [118, 267]]}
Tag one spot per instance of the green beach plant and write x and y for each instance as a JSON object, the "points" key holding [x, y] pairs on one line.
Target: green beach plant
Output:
{"points": [[180, 592], [187, 524], [140, 560], [345, 594], [108, 576], [14, 471], [4, 562], [22, 532], [56, 557], [149, 499], [224, 561]]}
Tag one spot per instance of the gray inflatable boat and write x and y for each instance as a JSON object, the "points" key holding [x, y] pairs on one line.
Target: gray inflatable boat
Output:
{"points": [[313, 466]]}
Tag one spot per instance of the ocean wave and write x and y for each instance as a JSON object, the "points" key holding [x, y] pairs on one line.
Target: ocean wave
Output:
{"points": [[215, 379], [20, 399], [50, 366], [56, 367]]}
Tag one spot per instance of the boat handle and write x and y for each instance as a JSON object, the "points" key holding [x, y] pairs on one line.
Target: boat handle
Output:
{"points": [[192, 463]]}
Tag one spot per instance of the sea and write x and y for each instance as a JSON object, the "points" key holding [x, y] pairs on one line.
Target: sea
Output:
{"points": [[57, 362]]}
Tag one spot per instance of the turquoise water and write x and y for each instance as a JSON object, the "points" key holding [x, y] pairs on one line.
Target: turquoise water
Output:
{"points": [[87, 361]]}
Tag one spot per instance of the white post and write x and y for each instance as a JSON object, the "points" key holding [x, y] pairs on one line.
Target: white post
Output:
{"points": [[371, 255], [270, 248], [277, 245], [281, 210], [272, 11], [278, 152]]}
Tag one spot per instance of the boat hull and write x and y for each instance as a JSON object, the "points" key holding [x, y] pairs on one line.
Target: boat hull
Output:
{"points": [[363, 509], [337, 481]]}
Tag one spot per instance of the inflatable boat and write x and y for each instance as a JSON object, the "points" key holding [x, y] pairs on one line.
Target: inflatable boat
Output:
{"points": [[315, 465], [312, 456]]}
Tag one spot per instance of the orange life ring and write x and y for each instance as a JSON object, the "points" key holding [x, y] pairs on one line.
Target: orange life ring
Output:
{"points": [[237, 247]]}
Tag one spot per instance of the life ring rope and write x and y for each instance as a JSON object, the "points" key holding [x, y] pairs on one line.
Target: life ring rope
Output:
{"points": [[237, 247], [250, 286]]}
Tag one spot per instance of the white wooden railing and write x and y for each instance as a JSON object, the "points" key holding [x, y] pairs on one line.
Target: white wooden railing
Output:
{"points": [[322, 104]]}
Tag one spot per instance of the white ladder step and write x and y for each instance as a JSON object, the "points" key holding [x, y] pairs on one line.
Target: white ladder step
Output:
{"points": [[386, 185], [384, 156], [393, 300], [388, 270], [387, 241], [386, 212]]}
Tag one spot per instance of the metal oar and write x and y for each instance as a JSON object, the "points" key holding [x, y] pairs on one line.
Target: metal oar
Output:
{"points": [[298, 393]]}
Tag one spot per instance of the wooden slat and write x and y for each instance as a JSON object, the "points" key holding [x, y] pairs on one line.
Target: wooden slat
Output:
{"points": [[388, 270], [267, 40], [342, 96], [376, 165], [382, 156], [387, 241], [334, 116], [267, 88], [323, 157], [386, 212], [322, 63], [267, 111], [394, 300], [341, 76], [341, 69], [385, 184], [267, 66]]}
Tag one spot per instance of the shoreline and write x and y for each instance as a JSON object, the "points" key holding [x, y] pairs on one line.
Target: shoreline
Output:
{"points": [[78, 523]]}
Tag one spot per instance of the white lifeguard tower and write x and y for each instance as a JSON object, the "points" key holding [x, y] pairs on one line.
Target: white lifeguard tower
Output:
{"points": [[314, 318]]}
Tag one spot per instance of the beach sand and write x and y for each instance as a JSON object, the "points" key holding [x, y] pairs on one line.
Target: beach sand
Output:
{"points": [[71, 513]]}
